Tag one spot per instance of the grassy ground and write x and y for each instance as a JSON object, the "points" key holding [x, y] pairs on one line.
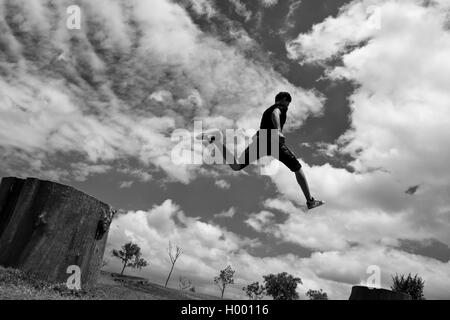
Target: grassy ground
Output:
{"points": [[18, 285]]}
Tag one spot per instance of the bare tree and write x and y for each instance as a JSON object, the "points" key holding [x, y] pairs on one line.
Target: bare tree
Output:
{"points": [[173, 258]]}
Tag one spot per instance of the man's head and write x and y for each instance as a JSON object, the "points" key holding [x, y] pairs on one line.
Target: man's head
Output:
{"points": [[283, 99]]}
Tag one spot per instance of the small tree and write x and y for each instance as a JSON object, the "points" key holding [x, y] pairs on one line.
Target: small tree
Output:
{"points": [[173, 258], [282, 286], [225, 278], [140, 263], [412, 286], [130, 256], [317, 295], [254, 291]]}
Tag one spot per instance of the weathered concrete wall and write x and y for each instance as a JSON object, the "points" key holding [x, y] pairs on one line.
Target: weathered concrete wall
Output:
{"points": [[45, 227]]}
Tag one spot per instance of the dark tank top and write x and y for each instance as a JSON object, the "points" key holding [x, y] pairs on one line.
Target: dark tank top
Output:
{"points": [[266, 121]]}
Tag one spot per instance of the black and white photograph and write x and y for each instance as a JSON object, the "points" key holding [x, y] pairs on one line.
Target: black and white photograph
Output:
{"points": [[225, 152]]}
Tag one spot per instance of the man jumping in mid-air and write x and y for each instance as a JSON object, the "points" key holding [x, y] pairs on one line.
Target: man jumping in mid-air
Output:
{"points": [[273, 118]]}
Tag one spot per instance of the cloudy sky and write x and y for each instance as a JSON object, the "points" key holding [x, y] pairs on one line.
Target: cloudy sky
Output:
{"points": [[96, 108]]}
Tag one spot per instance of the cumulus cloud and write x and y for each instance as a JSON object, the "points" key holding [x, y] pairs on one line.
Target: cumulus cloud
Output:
{"points": [[140, 174], [226, 214], [126, 184], [323, 43], [268, 3], [260, 221], [222, 184], [290, 20], [241, 9], [82, 170], [201, 7], [399, 115], [118, 87], [284, 205]]}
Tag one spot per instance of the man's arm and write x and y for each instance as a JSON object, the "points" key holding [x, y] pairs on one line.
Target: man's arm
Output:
{"points": [[276, 121]]}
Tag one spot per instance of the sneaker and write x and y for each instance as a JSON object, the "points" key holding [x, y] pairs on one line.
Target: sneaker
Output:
{"points": [[314, 203], [210, 135]]}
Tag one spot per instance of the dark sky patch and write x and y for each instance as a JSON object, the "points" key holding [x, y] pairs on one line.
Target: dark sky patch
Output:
{"points": [[430, 248]]}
